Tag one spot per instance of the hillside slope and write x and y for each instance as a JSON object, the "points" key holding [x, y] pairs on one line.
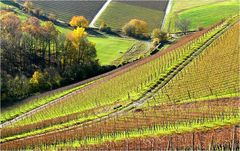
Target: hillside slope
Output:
{"points": [[66, 9], [201, 13], [102, 101], [118, 13]]}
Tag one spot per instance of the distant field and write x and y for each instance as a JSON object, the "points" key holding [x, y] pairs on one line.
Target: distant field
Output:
{"points": [[66, 9], [201, 16], [187, 4], [200, 13], [118, 13]]}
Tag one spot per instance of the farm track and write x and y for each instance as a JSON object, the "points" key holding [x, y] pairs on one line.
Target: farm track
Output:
{"points": [[100, 78], [151, 92]]}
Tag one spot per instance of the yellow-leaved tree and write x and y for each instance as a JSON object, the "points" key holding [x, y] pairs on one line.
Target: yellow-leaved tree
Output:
{"points": [[79, 21], [37, 81], [82, 51]]}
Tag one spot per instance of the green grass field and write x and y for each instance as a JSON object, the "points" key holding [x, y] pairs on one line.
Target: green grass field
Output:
{"points": [[201, 16], [117, 14], [200, 13], [111, 48], [188, 4]]}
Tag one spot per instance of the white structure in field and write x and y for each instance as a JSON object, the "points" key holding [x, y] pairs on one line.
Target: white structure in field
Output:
{"points": [[169, 6], [99, 13]]}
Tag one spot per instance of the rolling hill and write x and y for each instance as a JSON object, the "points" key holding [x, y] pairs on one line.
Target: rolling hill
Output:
{"points": [[201, 13], [185, 96], [155, 102]]}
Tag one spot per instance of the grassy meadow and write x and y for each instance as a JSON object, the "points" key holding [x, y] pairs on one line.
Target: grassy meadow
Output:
{"points": [[200, 13]]}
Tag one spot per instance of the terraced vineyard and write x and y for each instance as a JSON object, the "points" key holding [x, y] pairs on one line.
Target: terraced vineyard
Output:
{"points": [[118, 13], [189, 90]]}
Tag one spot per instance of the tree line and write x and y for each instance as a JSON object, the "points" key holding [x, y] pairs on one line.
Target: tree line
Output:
{"points": [[36, 57]]}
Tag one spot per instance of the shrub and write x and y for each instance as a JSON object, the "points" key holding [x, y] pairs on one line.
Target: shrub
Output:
{"points": [[18, 87], [157, 33], [135, 28], [104, 28], [155, 41], [38, 82], [200, 28]]}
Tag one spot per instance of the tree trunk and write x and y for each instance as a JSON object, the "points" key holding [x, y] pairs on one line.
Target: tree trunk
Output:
{"points": [[49, 53]]}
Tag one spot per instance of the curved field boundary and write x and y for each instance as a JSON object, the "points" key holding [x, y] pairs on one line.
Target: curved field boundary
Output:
{"points": [[152, 92]]}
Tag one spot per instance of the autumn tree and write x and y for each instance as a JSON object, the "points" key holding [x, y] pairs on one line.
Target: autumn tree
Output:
{"points": [[10, 25], [10, 42], [33, 28], [79, 21], [83, 50], [157, 36], [135, 28], [38, 81], [50, 34]]}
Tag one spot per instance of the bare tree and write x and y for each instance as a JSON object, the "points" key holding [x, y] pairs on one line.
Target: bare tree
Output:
{"points": [[183, 25]]}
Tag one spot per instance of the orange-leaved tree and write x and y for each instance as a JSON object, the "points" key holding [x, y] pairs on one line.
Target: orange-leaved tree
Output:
{"points": [[79, 21]]}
